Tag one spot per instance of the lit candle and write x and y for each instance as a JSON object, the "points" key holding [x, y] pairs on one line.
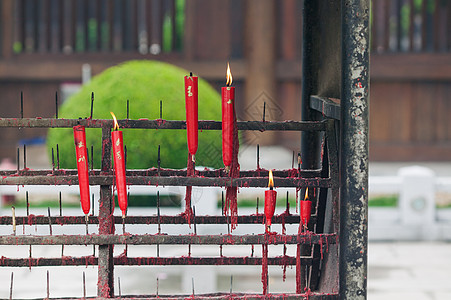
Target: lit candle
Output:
{"points": [[191, 113], [270, 201], [119, 166], [82, 167], [306, 208], [228, 119]]}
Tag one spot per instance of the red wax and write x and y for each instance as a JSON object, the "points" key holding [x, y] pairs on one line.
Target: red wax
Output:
{"points": [[228, 123], [191, 113], [82, 167], [270, 205], [306, 208], [119, 168]]}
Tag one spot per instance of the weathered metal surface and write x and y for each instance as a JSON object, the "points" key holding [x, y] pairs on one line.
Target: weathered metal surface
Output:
{"points": [[105, 283], [168, 181], [152, 172], [158, 124], [326, 106], [162, 239], [164, 219], [151, 261], [354, 149]]}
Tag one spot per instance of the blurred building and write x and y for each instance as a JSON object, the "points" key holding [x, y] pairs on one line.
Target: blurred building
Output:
{"points": [[45, 43]]}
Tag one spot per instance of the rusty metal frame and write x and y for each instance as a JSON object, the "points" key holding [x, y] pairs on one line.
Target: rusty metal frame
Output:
{"points": [[324, 178]]}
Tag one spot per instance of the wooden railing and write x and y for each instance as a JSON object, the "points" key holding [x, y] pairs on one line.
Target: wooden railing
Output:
{"points": [[411, 26], [80, 26]]}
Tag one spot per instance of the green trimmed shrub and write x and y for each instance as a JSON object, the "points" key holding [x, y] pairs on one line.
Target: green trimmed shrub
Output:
{"points": [[144, 83]]}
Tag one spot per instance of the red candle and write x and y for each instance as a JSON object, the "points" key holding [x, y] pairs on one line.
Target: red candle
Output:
{"points": [[228, 123], [191, 113], [119, 166], [82, 167], [306, 208], [270, 201]]}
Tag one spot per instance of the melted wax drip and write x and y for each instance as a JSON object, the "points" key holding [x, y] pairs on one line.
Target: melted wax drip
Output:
{"points": [[231, 192], [189, 172]]}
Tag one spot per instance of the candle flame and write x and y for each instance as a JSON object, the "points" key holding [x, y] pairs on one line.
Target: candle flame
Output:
{"points": [[306, 194], [229, 76], [271, 180], [116, 125]]}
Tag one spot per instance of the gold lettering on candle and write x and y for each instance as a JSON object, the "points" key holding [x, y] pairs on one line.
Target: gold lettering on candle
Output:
{"points": [[190, 94], [118, 154], [80, 144], [118, 142], [81, 158]]}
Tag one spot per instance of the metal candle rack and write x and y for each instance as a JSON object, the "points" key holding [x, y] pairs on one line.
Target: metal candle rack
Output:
{"points": [[316, 241]]}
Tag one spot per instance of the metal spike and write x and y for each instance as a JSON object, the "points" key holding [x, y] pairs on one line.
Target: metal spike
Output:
{"points": [[161, 109], [61, 205], [13, 211], [28, 204], [157, 286], [84, 285], [194, 220], [287, 205], [92, 157], [119, 286], [252, 250], [257, 204], [86, 223], [21, 104], [192, 282], [92, 197], [220, 250], [53, 160], [56, 104], [158, 212], [222, 201], [24, 156], [50, 220], [18, 159], [258, 156], [92, 105], [57, 157], [159, 160], [228, 224], [62, 250], [264, 111], [128, 109], [292, 161], [231, 283], [48, 285], [11, 287], [125, 156]]}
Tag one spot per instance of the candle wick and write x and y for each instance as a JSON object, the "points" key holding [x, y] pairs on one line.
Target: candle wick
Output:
{"points": [[190, 74], [271, 188]]}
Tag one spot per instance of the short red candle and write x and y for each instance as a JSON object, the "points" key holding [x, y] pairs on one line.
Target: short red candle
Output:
{"points": [[228, 122], [82, 167], [119, 166], [306, 209], [270, 201], [191, 108]]}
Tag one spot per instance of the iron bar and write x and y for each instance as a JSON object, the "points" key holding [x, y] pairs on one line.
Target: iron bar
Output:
{"points": [[148, 239], [162, 219], [160, 124], [170, 181], [175, 172], [328, 107], [354, 149]]}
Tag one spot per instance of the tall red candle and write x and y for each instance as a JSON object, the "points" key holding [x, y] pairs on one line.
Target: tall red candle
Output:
{"points": [[82, 167], [228, 122], [191, 113], [270, 201], [306, 209], [119, 166]]}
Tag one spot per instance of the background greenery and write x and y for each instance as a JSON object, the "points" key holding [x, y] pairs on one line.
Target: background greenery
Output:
{"points": [[144, 83]]}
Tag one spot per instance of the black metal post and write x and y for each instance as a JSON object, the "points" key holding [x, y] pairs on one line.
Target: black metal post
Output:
{"points": [[354, 149], [105, 286]]}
